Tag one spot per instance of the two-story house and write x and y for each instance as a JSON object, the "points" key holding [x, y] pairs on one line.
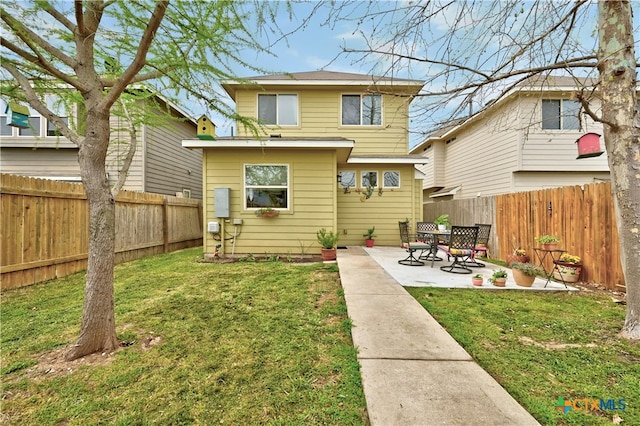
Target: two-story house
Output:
{"points": [[524, 141], [160, 164], [333, 154]]}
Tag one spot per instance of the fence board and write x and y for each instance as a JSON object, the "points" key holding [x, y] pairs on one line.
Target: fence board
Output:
{"points": [[583, 218], [44, 232]]}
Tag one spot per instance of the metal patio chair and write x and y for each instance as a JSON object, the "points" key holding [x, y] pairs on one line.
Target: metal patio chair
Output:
{"points": [[461, 247]]}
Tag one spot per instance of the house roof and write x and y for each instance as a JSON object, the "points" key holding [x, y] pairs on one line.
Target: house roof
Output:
{"points": [[324, 78], [342, 146], [451, 190]]}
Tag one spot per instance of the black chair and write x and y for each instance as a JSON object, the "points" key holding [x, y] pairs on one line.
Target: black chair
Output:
{"points": [[481, 245], [461, 247], [429, 239], [411, 245]]}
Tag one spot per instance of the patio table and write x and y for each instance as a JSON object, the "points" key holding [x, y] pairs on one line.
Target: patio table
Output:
{"points": [[555, 254], [432, 238]]}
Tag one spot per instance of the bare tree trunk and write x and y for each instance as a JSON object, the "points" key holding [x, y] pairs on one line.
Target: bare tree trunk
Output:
{"points": [[97, 332], [617, 66]]}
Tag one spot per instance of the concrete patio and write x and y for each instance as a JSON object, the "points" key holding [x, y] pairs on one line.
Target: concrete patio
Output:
{"points": [[426, 276]]}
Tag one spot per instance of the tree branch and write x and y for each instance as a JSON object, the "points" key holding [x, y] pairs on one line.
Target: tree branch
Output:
{"points": [[48, 7], [140, 56], [32, 98]]}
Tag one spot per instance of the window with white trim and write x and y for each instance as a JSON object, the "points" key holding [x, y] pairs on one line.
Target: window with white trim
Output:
{"points": [[278, 109], [347, 179], [391, 179], [560, 114], [361, 110], [266, 185], [5, 130], [369, 179], [56, 106]]}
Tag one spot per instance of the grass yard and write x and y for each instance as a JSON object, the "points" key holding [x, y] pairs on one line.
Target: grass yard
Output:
{"points": [[236, 344], [544, 346]]}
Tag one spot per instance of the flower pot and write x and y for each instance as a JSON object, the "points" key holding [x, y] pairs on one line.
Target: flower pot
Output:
{"points": [[550, 246], [442, 228], [268, 214], [512, 258], [523, 279], [567, 272], [369, 242], [476, 281], [328, 254], [500, 282]]}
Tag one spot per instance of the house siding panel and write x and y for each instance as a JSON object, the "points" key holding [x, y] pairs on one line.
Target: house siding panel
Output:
{"points": [[319, 113], [40, 162], [170, 168], [118, 148], [312, 201]]}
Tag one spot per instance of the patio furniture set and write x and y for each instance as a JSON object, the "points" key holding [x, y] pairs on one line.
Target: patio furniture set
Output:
{"points": [[462, 243]]}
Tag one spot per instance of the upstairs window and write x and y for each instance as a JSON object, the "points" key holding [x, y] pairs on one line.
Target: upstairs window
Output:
{"points": [[369, 179], [391, 179], [348, 179], [365, 110], [266, 185], [560, 114], [56, 106], [281, 110]]}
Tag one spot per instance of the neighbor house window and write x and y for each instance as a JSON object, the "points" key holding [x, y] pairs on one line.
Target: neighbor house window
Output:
{"points": [[391, 179], [348, 179], [33, 129], [369, 179], [362, 110], [560, 114], [266, 185], [56, 106], [278, 109]]}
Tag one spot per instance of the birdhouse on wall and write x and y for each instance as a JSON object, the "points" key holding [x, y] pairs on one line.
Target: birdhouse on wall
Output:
{"points": [[589, 146], [206, 129], [17, 115]]}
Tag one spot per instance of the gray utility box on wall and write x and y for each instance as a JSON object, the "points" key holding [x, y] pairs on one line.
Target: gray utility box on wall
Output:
{"points": [[221, 201]]}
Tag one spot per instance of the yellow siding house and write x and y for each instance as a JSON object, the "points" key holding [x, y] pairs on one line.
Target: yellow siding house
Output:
{"points": [[332, 153]]}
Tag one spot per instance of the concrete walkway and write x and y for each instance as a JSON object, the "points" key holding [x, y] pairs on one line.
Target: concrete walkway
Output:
{"points": [[413, 371]]}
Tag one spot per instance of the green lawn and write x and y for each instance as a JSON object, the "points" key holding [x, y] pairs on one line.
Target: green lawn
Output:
{"points": [[236, 344], [543, 346]]}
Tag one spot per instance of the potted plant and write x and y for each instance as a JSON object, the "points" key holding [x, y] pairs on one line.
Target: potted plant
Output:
{"points": [[567, 268], [549, 242], [524, 273], [327, 240], [368, 237], [518, 255], [499, 278], [477, 280], [267, 212], [443, 222]]}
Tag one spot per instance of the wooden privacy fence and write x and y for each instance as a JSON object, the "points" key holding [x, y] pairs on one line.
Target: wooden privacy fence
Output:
{"points": [[44, 230], [583, 218]]}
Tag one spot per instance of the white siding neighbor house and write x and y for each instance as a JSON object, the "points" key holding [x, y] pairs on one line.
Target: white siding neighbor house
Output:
{"points": [[524, 141]]}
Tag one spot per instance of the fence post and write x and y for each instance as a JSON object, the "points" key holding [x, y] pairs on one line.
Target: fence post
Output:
{"points": [[165, 224]]}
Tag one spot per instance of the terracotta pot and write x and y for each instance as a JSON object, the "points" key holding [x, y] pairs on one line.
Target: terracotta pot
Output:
{"points": [[567, 272], [476, 281], [523, 279], [550, 246], [328, 254], [512, 258], [500, 282], [369, 243]]}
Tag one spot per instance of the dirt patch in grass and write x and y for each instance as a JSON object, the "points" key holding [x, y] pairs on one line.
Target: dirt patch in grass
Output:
{"points": [[555, 346]]}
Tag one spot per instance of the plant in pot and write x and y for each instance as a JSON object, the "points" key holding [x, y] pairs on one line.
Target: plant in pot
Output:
{"points": [[267, 212], [368, 237], [524, 273], [567, 268], [327, 240], [519, 255], [443, 222], [499, 278], [477, 280], [548, 242]]}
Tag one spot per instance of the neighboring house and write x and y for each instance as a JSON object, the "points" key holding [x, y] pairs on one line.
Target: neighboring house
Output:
{"points": [[334, 155], [524, 141], [160, 164]]}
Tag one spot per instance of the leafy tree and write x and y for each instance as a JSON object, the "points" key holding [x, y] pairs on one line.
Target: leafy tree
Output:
{"points": [[471, 52], [95, 55]]}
